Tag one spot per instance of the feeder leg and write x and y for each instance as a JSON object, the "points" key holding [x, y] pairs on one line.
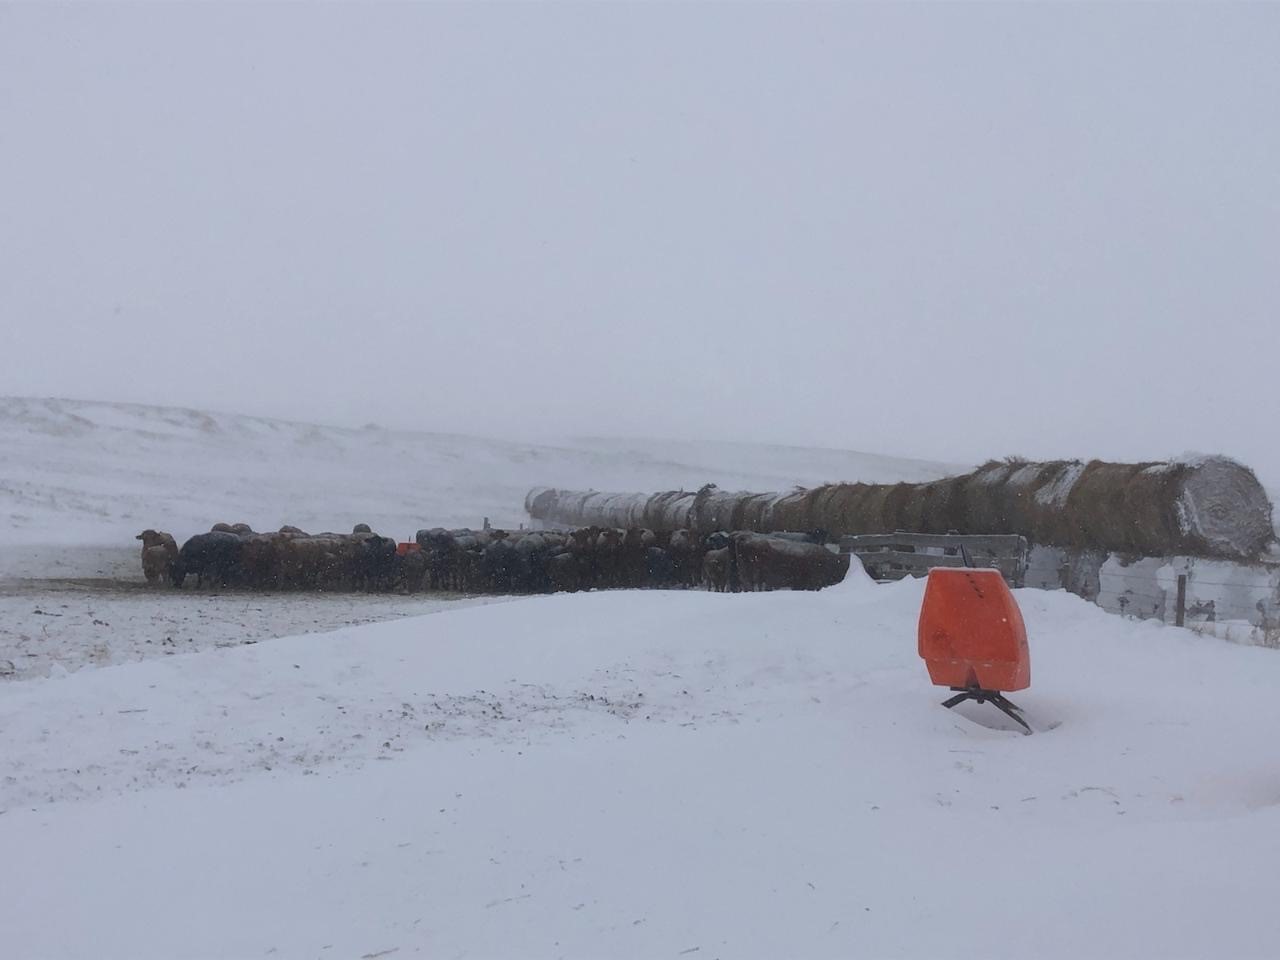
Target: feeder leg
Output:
{"points": [[1007, 707], [958, 698], [1011, 710]]}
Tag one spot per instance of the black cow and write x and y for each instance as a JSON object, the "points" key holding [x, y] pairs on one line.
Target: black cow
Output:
{"points": [[501, 566], [215, 555], [372, 562], [412, 572], [659, 569], [565, 571], [769, 563]]}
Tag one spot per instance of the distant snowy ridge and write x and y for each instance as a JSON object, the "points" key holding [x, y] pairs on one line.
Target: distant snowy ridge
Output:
{"points": [[74, 471]]}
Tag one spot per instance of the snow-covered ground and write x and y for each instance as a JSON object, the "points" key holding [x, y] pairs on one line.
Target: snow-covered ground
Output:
{"points": [[51, 626], [647, 774], [77, 472], [621, 774]]}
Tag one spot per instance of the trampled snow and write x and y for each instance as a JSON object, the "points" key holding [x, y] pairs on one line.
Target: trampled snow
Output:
{"points": [[645, 774]]}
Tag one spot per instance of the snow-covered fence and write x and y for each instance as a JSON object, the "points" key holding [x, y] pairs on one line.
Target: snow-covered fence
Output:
{"points": [[1234, 600], [892, 556]]}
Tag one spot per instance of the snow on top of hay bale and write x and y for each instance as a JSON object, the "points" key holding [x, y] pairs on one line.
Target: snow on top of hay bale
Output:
{"points": [[1206, 506]]}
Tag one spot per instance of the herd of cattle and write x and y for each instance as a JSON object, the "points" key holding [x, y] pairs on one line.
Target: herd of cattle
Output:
{"points": [[492, 561]]}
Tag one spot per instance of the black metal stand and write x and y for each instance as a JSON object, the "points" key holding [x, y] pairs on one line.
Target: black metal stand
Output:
{"points": [[1007, 707]]}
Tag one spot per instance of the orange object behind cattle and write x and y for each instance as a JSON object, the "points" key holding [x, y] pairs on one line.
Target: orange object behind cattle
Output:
{"points": [[405, 548], [971, 632]]}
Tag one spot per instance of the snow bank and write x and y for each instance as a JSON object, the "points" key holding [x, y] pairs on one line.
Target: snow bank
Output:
{"points": [[648, 774]]}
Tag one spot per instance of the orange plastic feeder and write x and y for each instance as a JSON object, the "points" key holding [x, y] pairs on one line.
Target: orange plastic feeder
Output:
{"points": [[972, 637]]}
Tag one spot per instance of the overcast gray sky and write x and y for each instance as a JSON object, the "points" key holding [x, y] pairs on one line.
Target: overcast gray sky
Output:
{"points": [[954, 231]]}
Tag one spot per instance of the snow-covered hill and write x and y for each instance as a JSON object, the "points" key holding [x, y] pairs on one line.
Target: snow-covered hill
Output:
{"points": [[84, 472], [648, 774]]}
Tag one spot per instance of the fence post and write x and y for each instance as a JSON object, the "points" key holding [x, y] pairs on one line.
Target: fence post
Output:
{"points": [[1180, 610]]}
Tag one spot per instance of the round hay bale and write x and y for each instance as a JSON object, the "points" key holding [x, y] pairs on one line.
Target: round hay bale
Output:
{"points": [[825, 509], [658, 509], [893, 510], [678, 513], [754, 508], [854, 508], [1223, 510], [787, 511], [538, 500], [938, 503], [808, 516], [1124, 508], [911, 512], [867, 509], [1049, 519], [984, 507], [720, 511], [1018, 495]]}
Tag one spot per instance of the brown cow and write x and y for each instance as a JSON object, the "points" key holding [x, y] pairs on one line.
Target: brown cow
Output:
{"points": [[686, 552], [715, 569], [260, 560], [608, 557], [768, 563], [634, 553], [159, 551], [312, 563]]}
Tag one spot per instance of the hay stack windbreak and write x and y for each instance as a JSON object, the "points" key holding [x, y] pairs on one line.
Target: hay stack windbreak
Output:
{"points": [[1210, 507]]}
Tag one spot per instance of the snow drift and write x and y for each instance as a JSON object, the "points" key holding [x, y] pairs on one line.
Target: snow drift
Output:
{"points": [[647, 774]]}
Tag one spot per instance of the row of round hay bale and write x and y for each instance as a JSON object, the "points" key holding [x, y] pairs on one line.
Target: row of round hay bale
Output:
{"points": [[1209, 507], [616, 509], [719, 510], [756, 509], [1132, 508]]}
